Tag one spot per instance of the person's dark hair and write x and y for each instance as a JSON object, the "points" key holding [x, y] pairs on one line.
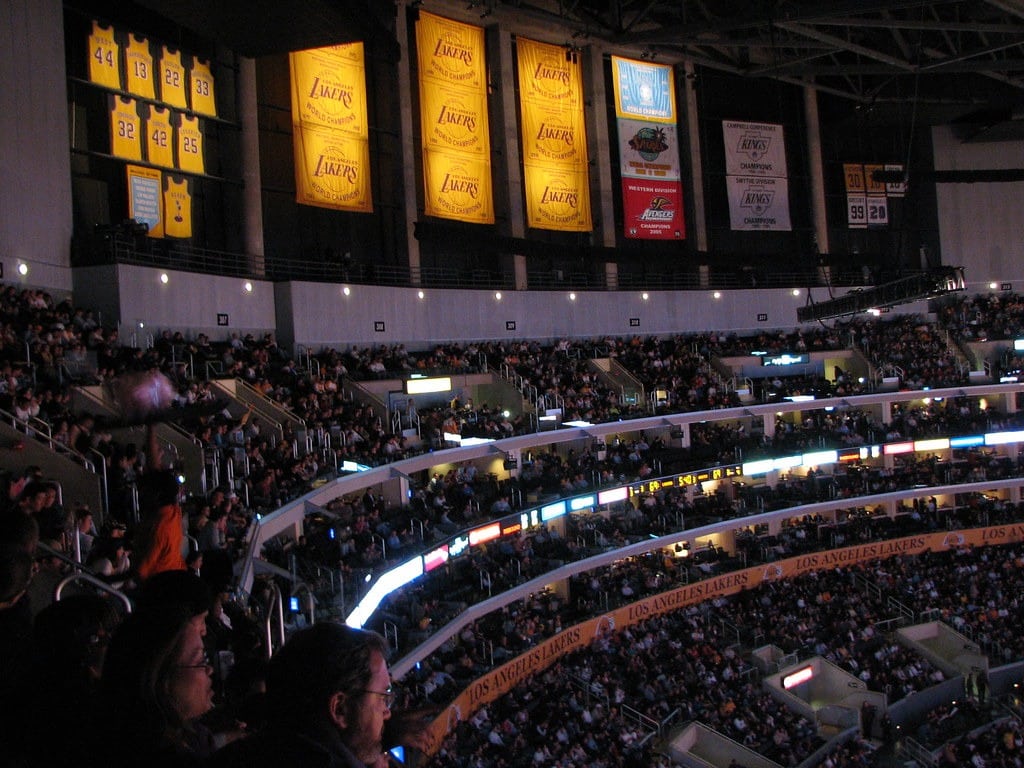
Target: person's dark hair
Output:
{"points": [[316, 663], [70, 635], [175, 590], [15, 575], [158, 488], [137, 673]]}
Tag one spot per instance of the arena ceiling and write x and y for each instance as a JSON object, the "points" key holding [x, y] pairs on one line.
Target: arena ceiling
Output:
{"points": [[952, 59]]}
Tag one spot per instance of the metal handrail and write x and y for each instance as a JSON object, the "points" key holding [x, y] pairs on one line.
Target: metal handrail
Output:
{"points": [[94, 582]]}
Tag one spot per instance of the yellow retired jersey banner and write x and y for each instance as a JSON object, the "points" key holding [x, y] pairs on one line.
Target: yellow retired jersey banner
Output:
{"points": [[177, 207], [458, 187], [332, 170], [556, 176], [125, 129], [453, 120], [159, 137], [329, 88], [138, 67], [557, 198], [172, 78], [104, 57], [190, 145], [456, 118], [145, 203], [204, 100]]}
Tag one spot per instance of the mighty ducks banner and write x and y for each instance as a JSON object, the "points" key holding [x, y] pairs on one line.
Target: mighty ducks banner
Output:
{"points": [[652, 192], [555, 162], [755, 166], [330, 129], [454, 131]]}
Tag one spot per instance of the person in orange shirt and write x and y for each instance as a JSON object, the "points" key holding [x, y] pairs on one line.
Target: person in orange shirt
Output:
{"points": [[161, 533]]}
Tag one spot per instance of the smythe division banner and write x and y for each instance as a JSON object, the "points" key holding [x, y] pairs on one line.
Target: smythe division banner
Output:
{"points": [[758, 184]]}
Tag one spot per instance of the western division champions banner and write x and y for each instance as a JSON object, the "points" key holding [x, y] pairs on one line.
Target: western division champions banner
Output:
{"points": [[330, 129], [556, 173], [454, 130], [756, 176], [652, 192]]}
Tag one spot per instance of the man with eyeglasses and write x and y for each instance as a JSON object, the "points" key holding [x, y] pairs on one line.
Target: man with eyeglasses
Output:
{"points": [[328, 697]]}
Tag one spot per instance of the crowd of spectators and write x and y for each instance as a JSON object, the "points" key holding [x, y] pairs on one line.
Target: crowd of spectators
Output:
{"points": [[64, 345]]}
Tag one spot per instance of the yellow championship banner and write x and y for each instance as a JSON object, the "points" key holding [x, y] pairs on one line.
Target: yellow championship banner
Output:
{"points": [[553, 135], [204, 100], [451, 52], [557, 198], [458, 187], [329, 88], [145, 203], [177, 207], [104, 57], [456, 119], [556, 178], [453, 120], [545, 76], [330, 128], [332, 170]]}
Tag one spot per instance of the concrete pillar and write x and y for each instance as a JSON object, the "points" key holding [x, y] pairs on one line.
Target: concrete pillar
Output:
{"points": [[698, 228], [252, 194], [815, 167], [405, 89], [598, 145], [505, 108]]}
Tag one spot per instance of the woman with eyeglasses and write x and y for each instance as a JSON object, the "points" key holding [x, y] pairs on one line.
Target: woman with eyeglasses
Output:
{"points": [[156, 685]]}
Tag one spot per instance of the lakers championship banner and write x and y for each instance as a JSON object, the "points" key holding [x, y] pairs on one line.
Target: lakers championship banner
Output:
{"points": [[756, 176], [556, 174], [329, 88], [458, 188], [454, 129], [104, 57], [330, 128], [177, 207], [331, 169], [502, 679], [652, 189], [145, 202]]}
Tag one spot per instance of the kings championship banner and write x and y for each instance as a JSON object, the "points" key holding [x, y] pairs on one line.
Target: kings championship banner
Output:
{"points": [[331, 136], [755, 167], [652, 191], [453, 120], [556, 172]]}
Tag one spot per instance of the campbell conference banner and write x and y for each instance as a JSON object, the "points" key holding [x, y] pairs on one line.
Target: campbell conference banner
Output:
{"points": [[652, 191], [500, 680], [454, 130], [330, 128], [556, 174], [756, 176]]}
